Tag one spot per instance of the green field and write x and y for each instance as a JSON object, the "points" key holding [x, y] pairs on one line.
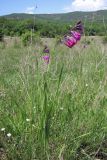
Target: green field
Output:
{"points": [[54, 112]]}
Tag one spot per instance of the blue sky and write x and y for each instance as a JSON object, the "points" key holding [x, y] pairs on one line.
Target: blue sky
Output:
{"points": [[50, 6], [22, 6]]}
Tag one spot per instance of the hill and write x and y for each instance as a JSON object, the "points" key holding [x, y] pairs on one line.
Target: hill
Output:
{"points": [[62, 17]]}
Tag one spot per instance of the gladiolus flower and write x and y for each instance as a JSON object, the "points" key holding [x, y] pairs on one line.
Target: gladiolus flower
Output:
{"points": [[70, 41], [46, 49], [76, 35], [46, 58], [79, 27]]}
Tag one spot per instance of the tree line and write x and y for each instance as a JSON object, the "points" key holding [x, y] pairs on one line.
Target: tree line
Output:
{"points": [[13, 27]]}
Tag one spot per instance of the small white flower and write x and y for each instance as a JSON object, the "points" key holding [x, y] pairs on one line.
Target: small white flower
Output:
{"points": [[2, 129], [61, 109], [100, 82], [9, 135], [28, 120], [86, 85]]}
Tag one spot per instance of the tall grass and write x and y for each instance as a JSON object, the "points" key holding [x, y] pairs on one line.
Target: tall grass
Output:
{"points": [[57, 111]]}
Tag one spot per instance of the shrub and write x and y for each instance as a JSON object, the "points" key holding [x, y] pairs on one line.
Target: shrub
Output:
{"points": [[28, 38], [105, 39]]}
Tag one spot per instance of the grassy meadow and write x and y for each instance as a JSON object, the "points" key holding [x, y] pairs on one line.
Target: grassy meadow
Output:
{"points": [[56, 111]]}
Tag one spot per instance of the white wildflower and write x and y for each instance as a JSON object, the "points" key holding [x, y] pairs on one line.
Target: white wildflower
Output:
{"points": [[100, 82], [8, 134], [28, 120], [33, 125], [86, 85], [2, 129]]}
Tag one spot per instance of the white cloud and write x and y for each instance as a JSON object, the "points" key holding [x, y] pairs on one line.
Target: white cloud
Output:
{"points": [[30, 10], [86, 5]]}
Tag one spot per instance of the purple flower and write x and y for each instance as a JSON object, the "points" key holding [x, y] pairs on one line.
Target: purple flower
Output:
{"points": [[46, 58], [76, 35], [46, 49], [79, 27], [70, 41]]}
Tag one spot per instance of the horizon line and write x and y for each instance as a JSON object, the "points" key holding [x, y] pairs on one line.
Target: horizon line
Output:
{"points": [[51, 13]]}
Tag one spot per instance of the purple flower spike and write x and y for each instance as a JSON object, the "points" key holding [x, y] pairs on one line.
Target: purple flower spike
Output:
{"points": [[74, 35], [46, 59]]}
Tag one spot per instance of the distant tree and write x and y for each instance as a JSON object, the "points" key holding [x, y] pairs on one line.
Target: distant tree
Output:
{"points": [[1, 36]]}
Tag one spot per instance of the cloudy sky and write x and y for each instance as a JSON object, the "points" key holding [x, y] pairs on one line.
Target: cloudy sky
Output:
{"points": [[50, 6], [86, 5]]}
